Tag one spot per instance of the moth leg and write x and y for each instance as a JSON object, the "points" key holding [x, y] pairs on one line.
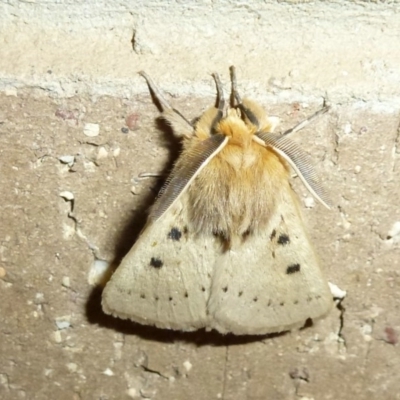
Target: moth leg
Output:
{"points": [[304, 123], [207, 125], [179, 124], [252, 112]]}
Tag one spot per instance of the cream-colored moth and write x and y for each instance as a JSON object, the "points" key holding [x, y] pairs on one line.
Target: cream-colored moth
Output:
{"points": [[225, 246]]}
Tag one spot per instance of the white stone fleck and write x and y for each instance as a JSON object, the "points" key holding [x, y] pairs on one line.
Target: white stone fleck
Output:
{"points": [[102, 153], [91, 130], [395, 230], [39, 296], [48, 372], [69, 160], [188, 365], [347, 129], [67, 195], [57, 336], [66, 282], [72, 367], [309, 202], [117, 152], [337, 293], [63, 322], [132, 393], [108, 372], [98, 272]]}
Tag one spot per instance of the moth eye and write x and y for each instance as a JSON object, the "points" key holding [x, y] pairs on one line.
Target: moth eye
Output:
{"points": [[283, 239], [291, 269], [175, 234], [156, 262]]}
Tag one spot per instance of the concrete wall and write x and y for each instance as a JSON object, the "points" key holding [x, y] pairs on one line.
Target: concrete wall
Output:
{"points": [[64, 65]]}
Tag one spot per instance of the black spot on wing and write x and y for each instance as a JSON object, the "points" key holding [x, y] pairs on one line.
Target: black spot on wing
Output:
{"points": [[283, 239], [291, 269], [156, 262], [273, 234], [175, 234]]}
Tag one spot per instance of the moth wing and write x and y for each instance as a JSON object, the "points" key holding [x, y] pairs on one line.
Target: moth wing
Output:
{"points": [[165, 278], [272, 281]]}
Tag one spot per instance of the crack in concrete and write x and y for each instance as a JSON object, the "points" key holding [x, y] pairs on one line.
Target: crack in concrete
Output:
{"points": [[341, 338], [153, 371], [77, 229]]}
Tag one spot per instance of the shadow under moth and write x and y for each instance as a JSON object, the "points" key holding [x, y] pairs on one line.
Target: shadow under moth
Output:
{"points": [[225, 245]]}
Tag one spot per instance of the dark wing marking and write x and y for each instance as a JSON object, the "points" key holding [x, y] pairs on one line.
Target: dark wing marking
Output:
{"points": [[300, 161], [188, 167]]}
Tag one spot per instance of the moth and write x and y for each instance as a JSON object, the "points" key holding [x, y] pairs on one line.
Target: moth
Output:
{"points": [[225, 245]]}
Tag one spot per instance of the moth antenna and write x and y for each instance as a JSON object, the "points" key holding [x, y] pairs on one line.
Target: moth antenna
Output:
{"points": [[164, 105], [236, 96], [234, 92], [220, 93], [304, 123], [300, 161], [183, 174]]}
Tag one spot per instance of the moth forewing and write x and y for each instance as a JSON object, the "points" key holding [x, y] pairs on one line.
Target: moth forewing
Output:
{"points": [[225, 246], [153, 287], [272, 284]]}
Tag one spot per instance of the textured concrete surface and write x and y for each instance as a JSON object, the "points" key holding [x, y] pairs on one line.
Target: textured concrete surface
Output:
{"points": [[64, 66]]}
